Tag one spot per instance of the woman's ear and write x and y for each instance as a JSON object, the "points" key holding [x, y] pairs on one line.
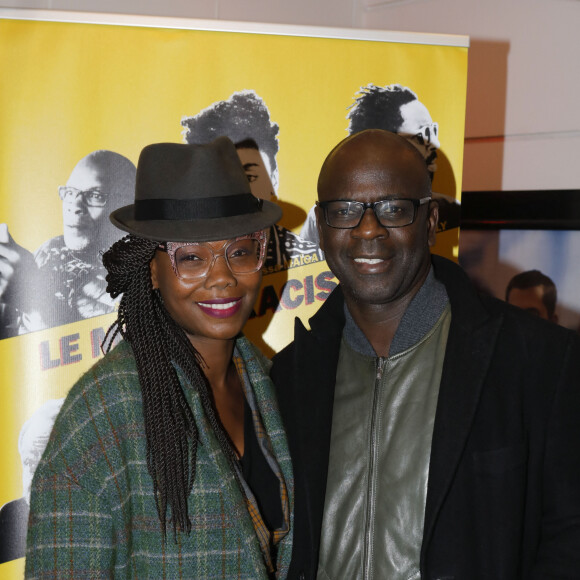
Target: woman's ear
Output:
{"points": [[153, 270]]}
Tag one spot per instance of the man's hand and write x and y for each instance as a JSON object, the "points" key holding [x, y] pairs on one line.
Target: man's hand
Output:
{"points": [[18, 271]]}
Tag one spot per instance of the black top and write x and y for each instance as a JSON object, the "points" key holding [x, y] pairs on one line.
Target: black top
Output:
{"points": [[259, 475]]}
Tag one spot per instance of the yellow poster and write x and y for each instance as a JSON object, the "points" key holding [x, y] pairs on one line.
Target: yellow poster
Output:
{"points": [[78, 103]]}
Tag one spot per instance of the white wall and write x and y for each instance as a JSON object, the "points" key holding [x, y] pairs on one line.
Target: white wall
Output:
{"points": [[523, 110]]}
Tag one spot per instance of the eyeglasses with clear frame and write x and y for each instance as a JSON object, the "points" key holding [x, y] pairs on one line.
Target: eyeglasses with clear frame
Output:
{"points": [[91, 197], [192, 260], [394, 212]]}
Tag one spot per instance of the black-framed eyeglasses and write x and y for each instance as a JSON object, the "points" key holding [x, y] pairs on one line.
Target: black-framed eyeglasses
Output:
{"points": [[91, 197], [243, 255], [390, 213]]}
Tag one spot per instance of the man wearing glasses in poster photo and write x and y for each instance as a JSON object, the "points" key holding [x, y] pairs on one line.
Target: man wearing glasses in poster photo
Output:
{"points": [[64, 281], [397, 109]]}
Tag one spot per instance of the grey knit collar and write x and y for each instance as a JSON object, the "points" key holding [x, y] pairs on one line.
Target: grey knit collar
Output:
{"points": [[420, 316]]}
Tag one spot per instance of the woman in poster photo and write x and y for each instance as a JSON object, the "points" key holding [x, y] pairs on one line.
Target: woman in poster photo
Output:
{"points": [[168, 458]]}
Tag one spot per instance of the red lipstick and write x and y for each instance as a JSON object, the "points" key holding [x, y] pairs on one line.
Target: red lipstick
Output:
{"points": [[220, 307]]}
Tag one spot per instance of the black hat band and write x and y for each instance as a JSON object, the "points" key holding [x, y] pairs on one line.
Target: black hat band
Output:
{"points": [[194, 209]]}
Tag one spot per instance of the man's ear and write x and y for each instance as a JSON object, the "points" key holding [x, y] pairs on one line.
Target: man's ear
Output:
{"points": [[319, 219], [432, 221], [153, 270]]}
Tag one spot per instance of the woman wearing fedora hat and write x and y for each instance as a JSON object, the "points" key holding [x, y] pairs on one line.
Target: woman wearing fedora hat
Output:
{"points": [[169, 458]]}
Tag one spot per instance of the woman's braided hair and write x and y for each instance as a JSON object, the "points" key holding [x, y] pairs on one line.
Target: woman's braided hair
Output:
{"points": [[157, 340]]}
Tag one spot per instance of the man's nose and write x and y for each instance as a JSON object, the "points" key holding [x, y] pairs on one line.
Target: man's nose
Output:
{"points": [[75, 202], [369, 226], [434, 142]]}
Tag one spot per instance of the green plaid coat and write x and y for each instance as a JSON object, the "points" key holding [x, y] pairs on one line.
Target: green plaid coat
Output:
{"points": [[93, 513]]}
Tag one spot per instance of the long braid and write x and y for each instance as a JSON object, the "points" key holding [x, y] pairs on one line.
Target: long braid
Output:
{"points": [[157, 340]]}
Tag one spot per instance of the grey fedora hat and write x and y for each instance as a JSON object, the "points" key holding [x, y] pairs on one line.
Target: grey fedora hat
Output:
{"points": [[193, 193]]}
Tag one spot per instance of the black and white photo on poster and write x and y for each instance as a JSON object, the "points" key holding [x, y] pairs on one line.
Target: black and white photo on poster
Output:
{"points": [[64, 280], [397, 109], [244, 118]]}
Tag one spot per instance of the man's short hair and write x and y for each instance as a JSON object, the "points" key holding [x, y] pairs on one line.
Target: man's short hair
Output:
{"points": [[531, 279], [379, 108], [243, 117]]}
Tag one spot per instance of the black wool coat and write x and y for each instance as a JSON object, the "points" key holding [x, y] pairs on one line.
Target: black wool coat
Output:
{"points": [[503, 499]]}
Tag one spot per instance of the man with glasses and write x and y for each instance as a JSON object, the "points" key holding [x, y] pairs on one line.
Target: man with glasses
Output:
{"points": [[397, 109], [433, 431], [65, 280]]}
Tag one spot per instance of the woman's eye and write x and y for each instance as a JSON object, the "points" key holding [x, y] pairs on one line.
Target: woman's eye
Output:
{"points": [[189, 257], [238, 253]]}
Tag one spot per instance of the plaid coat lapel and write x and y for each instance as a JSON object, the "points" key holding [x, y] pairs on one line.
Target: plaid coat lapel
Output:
{"points": [[217, 469], [257, 367], [217, 474]]}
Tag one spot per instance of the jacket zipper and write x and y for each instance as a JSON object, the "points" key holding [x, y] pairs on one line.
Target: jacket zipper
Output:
{"points": [[368, 537]]}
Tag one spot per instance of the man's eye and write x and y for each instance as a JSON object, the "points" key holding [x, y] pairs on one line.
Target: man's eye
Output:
{"points": [[391, 209], [391, 212], [251, 177], [96, 195], [344, 212]]}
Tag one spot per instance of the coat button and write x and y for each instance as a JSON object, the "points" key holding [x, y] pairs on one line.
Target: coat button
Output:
{"points": [[302, 576]]}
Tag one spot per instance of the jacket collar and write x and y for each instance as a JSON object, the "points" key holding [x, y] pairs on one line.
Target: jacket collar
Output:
{"points": [[421, 315]]}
